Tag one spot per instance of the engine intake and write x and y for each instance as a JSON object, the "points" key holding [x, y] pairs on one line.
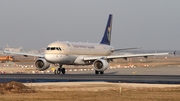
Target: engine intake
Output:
{"points": [[100, 65], [41, 64]]}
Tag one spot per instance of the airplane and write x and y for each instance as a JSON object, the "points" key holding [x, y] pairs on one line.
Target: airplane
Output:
{"points": [[81, 53]]}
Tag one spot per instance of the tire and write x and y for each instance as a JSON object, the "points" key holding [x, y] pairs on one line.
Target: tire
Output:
{"points": [[96, 72], [63, 71], [101, 72], [58, 71]]}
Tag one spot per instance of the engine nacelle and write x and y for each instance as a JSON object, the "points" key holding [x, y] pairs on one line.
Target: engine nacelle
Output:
{"points": [[100, 65], [41, 64]]}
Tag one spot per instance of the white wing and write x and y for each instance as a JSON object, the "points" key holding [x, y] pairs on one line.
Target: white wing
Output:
{"points": [[125, 56], [24, 54], [120, 49]]}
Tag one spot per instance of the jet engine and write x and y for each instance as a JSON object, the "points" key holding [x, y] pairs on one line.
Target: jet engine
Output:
{"points": [[41, 64], [100, 65]]}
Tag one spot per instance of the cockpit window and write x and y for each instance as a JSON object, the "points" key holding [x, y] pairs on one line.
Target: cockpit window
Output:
{"points": [[59, 48], [48, 48], [68, 45], [54, 48]]}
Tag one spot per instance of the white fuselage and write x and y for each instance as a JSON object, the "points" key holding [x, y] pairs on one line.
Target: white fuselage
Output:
{"points": [[73, 52]]}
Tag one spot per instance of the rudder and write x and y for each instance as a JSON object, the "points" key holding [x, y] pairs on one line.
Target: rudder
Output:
{"points": [[107, 33]]}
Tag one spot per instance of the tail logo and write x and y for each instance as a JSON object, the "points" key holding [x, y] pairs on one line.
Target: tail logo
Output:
{"points": [[109, 35]]}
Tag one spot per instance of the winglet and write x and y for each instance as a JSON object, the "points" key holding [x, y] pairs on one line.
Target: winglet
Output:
{"points": [[107, 34]]}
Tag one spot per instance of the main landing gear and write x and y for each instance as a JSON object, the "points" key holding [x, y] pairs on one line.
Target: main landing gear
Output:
{"points": [[97, 72], [60, 70]]}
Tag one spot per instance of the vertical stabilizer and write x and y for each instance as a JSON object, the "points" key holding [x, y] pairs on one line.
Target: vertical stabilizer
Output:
{"points": [[107, 33]]}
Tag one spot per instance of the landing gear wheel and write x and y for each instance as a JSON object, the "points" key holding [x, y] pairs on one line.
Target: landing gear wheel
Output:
{"points": [[59, 71], [101, 72], [96, 72], [63, 70]]}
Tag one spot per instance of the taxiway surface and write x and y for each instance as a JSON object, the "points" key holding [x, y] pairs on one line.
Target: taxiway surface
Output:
{"points": [[155, 75]]}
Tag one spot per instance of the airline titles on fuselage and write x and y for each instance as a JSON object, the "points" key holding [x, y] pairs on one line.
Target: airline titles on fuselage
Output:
{"points": [[83, 46]]}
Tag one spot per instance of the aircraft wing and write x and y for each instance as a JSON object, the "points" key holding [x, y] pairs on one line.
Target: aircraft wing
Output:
{"points": [[125, 56], [24, 54], [120, 49]]}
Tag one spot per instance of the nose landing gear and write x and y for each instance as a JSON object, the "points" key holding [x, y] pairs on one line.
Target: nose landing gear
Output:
{"points": [[60, 70]]}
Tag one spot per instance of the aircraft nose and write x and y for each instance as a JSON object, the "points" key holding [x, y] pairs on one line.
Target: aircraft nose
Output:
{"points": [[48, 57], [54, 58]]}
